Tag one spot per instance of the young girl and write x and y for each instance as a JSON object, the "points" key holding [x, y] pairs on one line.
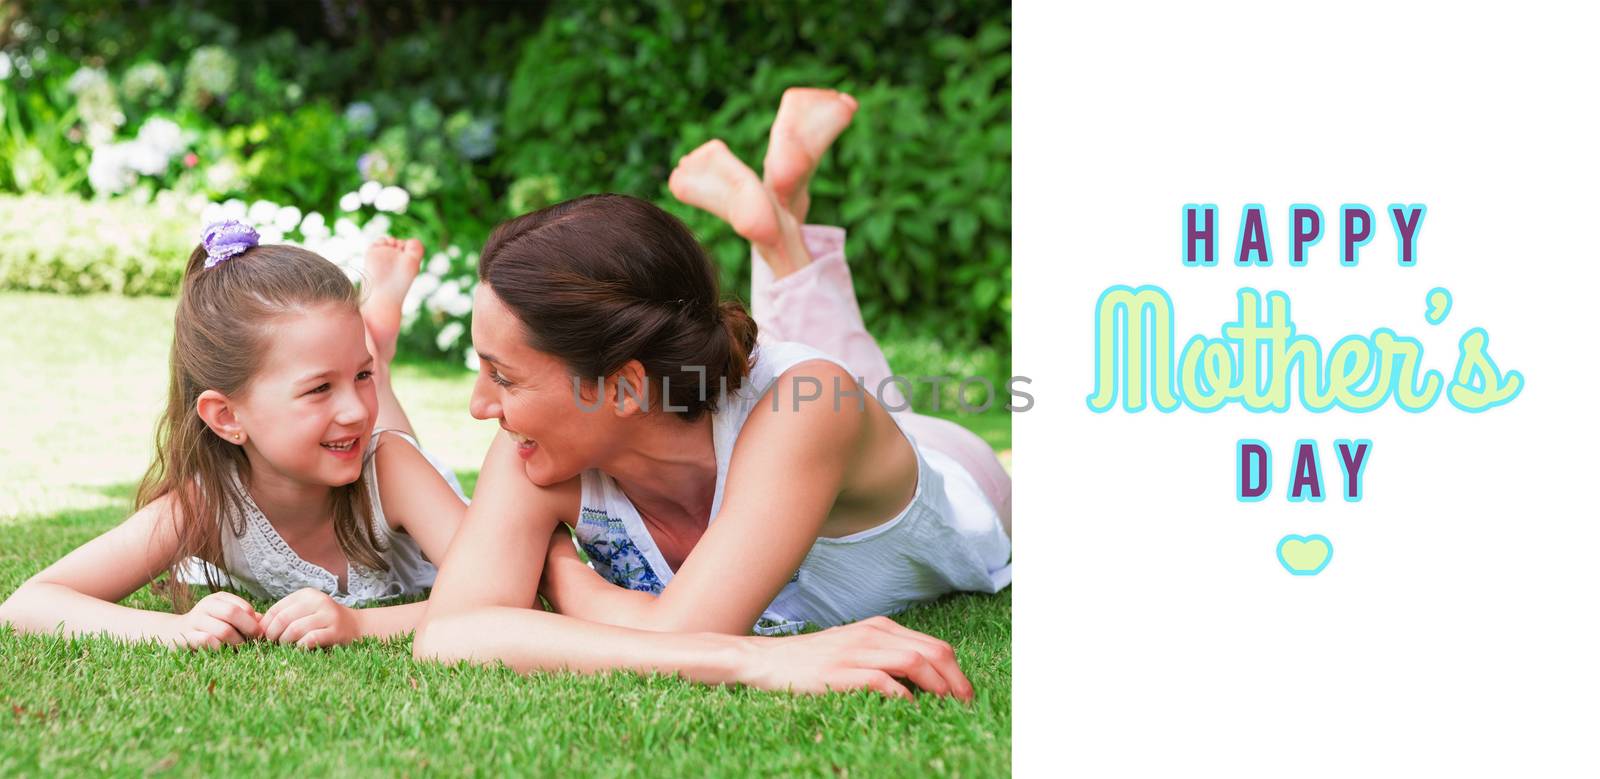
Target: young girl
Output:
{"points": [[280, 428], [285, 464]]}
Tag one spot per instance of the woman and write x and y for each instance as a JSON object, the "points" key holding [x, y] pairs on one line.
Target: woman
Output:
{"points": [[796, 499]]}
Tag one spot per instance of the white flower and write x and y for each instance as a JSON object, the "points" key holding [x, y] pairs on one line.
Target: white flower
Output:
{"points": [[261, 212], [344, 252], [376, 228], [87, 78], [420, 290], [391, 199], [459, 305], [473, 364], [5, 67], [448, 335], [443, 296], [144, 158], [346, 229], [350, 202], [288, 218], [369, 192], [270, 233], [439, 264], [223, 176], [100, 134], [314, 226], [162, 135], [109, 172], [234, 208], [454, 251], [212, 213]]}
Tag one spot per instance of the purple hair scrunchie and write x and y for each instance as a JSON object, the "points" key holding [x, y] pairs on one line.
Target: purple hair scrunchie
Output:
{"points": [[227, 239]]}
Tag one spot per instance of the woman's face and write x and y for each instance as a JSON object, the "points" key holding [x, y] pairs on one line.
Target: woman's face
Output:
{"points": [[531, 395]]}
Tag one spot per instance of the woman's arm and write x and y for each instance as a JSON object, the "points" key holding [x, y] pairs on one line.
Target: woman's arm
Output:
{"points": [[576, 590], [77, 594], [870, 655], [499, 549], [482, 610], [783, 480]]}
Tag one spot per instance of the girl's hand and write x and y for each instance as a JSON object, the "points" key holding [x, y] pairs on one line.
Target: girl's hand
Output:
{"points": [[308, 618], [875, 654], [217, 619]]}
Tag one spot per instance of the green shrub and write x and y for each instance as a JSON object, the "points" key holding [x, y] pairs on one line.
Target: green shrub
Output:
{"points": [[608, 95], [66, 245], [927, 363]]}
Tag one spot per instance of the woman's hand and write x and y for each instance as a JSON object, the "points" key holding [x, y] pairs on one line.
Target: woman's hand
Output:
{"points": [[309, 618], [875, 654], [217, 619]]}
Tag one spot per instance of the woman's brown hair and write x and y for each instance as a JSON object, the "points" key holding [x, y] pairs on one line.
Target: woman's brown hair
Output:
{"points": [[219, 340], [605, 279]]}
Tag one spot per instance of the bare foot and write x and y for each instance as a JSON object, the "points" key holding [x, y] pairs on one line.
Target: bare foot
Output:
{"points": [[712, 179], [808, 120], [391, 265]]}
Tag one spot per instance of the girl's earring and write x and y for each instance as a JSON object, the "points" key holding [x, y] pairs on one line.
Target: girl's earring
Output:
{"points": [[236, 437]]}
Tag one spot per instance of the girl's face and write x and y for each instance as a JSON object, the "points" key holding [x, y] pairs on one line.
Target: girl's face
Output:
{"points": [[530, 394], [308, 412]]}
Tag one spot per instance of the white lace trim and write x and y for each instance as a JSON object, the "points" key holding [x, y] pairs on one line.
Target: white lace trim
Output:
{"points": [[280, 571]]}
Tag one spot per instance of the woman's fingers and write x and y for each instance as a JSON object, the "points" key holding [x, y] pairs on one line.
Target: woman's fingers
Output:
{"points": [[939, 654], [907, 664], [868, 679]]}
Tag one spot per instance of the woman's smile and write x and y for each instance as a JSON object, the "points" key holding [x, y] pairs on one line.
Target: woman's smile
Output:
{"points": [[525, 445]]}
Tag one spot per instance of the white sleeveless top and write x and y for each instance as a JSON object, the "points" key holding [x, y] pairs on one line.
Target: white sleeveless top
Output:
{"points": [[262, 564], [948, 538]]}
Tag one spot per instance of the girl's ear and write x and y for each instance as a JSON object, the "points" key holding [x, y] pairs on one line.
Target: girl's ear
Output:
{"points": [[631, 388], [216, 411]]}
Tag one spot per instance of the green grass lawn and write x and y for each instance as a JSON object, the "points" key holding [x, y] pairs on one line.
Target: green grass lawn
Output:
{"points": [[84, 381]]}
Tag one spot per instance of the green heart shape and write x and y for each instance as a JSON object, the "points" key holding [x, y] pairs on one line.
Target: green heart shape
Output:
{"points": [[1305, 555]]}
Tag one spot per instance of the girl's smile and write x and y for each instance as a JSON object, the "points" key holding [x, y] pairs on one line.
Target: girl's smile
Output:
{"points": [[344, 448]]}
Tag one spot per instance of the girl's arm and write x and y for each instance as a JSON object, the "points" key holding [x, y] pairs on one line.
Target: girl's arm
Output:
{"points": [[416, 501], [483, 610], [77, 595]]}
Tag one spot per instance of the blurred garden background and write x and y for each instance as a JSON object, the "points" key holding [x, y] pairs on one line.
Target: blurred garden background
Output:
{"points": [[124, 127]]}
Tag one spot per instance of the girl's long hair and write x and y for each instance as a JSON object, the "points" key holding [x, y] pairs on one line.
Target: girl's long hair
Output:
{"points": [[220, 337]]}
